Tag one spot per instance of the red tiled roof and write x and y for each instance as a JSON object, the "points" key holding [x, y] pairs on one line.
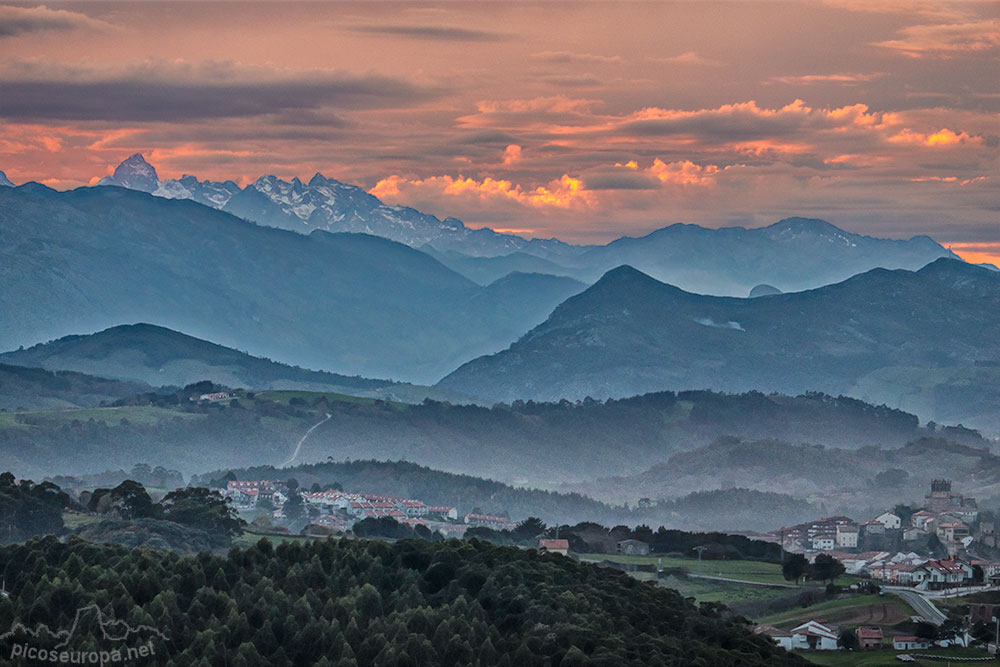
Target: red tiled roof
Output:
{"points": [[553, 544]]}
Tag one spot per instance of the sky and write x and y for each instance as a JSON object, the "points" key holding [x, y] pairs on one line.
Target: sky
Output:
{"points": [[585, 121]]}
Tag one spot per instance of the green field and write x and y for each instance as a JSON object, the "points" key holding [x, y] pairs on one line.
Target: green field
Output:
{"points": [[882, 610], [706, 590], [138, 414], [286, 395], [887, 657], [745, 570], [72, 520]]}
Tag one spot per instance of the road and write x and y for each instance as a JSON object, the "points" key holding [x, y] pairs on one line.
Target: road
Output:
{"points": [[745, 582], [298, 447], [922, 606]]}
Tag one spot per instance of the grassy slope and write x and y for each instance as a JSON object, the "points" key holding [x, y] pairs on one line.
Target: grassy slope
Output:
{"points": [[859, 610], [746, 570]]}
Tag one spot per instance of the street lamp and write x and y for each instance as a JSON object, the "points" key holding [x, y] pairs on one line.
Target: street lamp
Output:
{"points": [[700, 550]]}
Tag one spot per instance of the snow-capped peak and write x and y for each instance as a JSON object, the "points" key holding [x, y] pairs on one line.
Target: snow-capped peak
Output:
{"points": [[134, 173]]}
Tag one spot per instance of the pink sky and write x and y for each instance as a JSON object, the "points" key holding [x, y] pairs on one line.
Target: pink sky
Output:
{"points": [[585, 121]]}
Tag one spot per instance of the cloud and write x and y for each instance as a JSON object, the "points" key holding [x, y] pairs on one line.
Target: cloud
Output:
{"points": [[950, 179], [941, 138], [179, 91], [572, 57], [811, 79], [945, 40], [556, 104], [619, 179], [512, 154], [563, 193], [688, 58], [430, 32], [684, 172], [572, 80], [22, 20]]}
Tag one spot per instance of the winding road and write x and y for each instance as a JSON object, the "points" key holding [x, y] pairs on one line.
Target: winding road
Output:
{"points": [[298, 447], [921, 605]]}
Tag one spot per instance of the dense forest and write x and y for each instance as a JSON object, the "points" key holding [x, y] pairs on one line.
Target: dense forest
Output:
{"points": [[524, 443], [348, 603]]}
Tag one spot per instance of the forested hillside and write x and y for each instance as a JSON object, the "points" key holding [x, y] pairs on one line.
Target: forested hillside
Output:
{"points": [[524, 443], [348, 603]]}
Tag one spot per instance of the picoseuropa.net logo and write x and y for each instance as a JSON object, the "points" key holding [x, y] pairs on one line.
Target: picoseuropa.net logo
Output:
{"points": [[92, 640]]}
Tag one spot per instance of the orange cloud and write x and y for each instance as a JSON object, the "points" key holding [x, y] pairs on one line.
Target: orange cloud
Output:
{"points": [[684, 172], [950, 179], [688, 58], [555, 104], [945, 40], [564, 192], [511, 154], [809, 79], [943, 137]]}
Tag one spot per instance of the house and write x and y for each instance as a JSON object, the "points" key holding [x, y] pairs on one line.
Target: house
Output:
{"points": [[982, 613], [812, 635], [217, 396], [554, 546], [938, 574], [847, 536], [443, 512], [889, 520], [824, 542], [872, 528], [633, 548], [952, 532], [780, 637], [909, 643], [911, 534], [869, 637], [922, 518], [487, 521], [412, 508]]}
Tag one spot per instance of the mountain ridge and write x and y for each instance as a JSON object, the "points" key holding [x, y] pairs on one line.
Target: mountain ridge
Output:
{"points": [[629, 334], [92, 258]]}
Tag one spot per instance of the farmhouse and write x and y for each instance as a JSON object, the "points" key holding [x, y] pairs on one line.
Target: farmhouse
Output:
{"points": [[869, 637], [813, 635], [909, 643], [554, 546]]}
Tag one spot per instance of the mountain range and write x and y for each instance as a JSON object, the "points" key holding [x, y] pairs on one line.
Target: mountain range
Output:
{"points": [[924, 341], [791, 255], [93, 258], [322, 203]]}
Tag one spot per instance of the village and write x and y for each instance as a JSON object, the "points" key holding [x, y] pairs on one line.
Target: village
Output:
{"points": [[334, 511], [938, 552]]}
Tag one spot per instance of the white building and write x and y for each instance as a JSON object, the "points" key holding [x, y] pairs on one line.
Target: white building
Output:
{"points": [[889, 520], [811, 635], [847, 537]]}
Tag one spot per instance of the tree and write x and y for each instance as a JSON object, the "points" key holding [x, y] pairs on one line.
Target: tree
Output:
{"points": [[294, 509], [848, 640], [132, 501], [205, 509], [826, 568], [794, 567]]}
